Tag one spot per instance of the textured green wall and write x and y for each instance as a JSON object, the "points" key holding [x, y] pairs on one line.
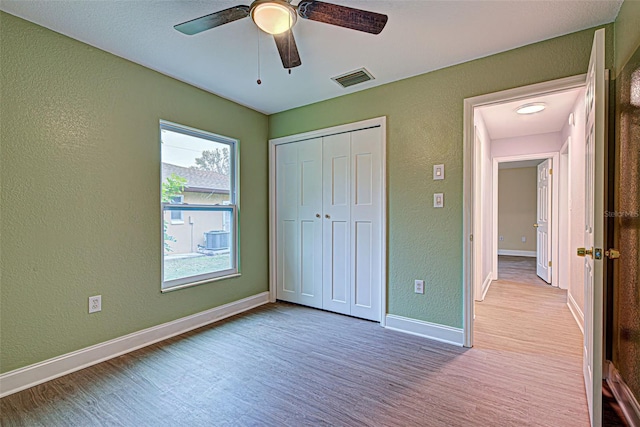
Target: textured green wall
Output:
{"points": [[627, 33], [425, 128], [80, 204]]}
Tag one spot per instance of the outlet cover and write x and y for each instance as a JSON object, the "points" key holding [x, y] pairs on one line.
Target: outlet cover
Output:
{"points": [[419, 286], [95, 304]]}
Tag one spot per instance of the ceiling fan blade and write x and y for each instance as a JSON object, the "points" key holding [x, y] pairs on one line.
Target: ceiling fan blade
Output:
{"points": [[288, 50], [342, 16], [213, 20]]}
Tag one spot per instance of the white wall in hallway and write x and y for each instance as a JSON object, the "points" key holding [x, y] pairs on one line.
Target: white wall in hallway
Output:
{"points": [[485, 207], [576, 200]]}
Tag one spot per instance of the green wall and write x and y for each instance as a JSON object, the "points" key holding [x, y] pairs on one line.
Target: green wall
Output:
{"points": [[80, 203], [424, 128], [627, 33]]}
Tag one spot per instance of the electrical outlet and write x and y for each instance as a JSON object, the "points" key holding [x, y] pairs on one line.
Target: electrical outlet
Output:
{"points": [[502, 238], [524, 239], [418, 286], [95, 304]]}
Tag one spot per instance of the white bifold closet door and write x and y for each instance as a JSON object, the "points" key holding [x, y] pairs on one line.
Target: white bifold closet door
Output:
{"points": [[299, 222], [329, 222]]}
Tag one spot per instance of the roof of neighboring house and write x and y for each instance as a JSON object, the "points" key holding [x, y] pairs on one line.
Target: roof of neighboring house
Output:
{"points": [[200, 181]]}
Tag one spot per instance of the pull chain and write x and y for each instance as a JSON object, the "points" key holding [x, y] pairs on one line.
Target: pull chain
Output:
{"points": [[289, 44], [258, 33]]}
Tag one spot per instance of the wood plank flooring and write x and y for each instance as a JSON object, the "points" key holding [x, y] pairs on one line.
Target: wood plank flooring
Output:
{"points": [[286, 365]]}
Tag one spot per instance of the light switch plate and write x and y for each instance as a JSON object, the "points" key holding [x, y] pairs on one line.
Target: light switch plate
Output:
{"points": [[438, 200], [438, 172]]}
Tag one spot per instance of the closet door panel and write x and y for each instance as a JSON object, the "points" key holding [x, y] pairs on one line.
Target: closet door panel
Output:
{"points": [[366, 223], [336, 228], [287, 260], [310, 221]]}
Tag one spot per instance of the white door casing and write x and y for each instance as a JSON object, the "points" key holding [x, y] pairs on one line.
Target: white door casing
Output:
{"points": [[543, 216], [595, 103]]}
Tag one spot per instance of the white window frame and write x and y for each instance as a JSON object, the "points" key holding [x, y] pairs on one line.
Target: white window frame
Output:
{"points": [[231, 207]]}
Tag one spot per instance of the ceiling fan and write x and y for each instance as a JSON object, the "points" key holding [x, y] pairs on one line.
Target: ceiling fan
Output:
{"points": [[277, 17]]}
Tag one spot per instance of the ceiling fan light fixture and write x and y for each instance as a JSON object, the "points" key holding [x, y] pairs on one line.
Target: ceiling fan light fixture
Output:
{"points": [[273, 16], [533, 108]]}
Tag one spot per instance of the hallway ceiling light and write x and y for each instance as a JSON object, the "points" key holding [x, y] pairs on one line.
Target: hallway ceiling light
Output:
{"points": [[535, 107]]}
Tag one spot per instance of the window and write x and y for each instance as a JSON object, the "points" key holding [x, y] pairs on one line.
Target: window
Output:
{"points": [[176, 216], [199, 206]]}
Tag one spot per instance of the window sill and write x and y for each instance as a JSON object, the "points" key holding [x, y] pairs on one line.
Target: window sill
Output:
{"points": [[200, 282]]}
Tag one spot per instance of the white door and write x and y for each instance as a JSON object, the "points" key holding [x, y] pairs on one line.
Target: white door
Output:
{"points": [[594, 228], [543, 240], [337, 218], [366, 224], [299, 222]]}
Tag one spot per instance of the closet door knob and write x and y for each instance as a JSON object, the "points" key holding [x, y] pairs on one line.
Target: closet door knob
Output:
{"points": [[317, 215], [327, 216]]}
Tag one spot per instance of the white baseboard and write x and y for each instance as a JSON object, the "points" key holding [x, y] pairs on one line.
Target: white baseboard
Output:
{"points": [[486, 285], [433, 331], [512, 252], [29, 376], [575, 310], [625, 398]]}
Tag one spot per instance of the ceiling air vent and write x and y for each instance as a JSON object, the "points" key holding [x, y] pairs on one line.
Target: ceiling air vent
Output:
{"points": [[353, 78]]}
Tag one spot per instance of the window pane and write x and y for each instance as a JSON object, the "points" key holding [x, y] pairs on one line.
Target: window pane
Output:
{"points": [[203, 166], [203, 245]]}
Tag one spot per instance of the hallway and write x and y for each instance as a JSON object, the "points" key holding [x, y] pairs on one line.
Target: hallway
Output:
{"points": [[525, 325]]}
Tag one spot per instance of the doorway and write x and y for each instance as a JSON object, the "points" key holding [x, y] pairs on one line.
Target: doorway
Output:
{"points": [[593, 182], [480, 207]]}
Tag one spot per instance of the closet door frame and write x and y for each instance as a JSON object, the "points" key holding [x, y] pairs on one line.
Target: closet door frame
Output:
{"points": [[380, 122]]}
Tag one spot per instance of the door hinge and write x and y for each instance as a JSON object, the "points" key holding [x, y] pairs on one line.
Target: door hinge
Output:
{"points": [[471, 237], [549, 263], [551, 171]]}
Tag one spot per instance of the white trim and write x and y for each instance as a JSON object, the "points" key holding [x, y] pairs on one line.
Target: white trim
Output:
{"points": [[624, 396], [468, 178], [350, 127], [38, 373], [432, 331], [575, 311], [513, 252], [486, 285], [380, 122]]}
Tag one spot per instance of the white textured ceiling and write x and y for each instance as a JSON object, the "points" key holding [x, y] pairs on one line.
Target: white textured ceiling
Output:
{"points": [[502, 121], [420, 36]]}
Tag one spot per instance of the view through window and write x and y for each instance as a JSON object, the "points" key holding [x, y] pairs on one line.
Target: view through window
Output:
{"points": [[199, 206]]}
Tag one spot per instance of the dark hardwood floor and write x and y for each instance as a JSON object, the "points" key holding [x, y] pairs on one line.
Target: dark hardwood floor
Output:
{"points": [[286, 365]]}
